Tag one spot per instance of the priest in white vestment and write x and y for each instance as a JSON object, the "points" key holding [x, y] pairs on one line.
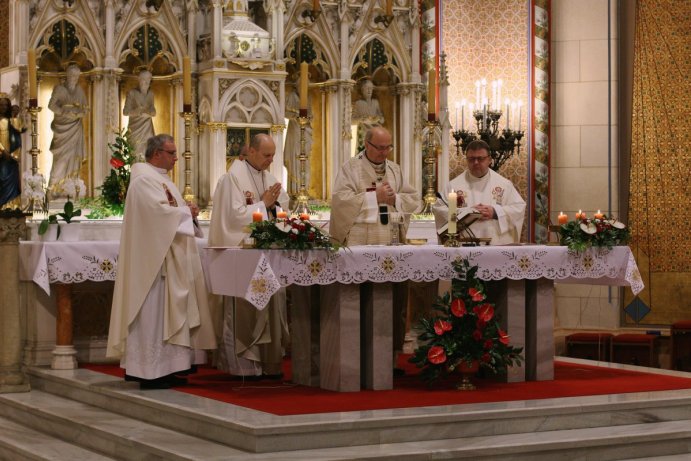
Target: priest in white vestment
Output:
{"points": [[481, 189], [160, 312], [252, 339], [369, 196]]}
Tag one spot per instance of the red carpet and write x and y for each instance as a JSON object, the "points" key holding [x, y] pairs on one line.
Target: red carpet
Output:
{"points": [[283, 398]]}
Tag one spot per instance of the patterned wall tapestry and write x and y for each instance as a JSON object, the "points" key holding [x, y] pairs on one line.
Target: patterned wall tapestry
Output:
{"points": [[488, 40], [659, 212], [4, 33]]}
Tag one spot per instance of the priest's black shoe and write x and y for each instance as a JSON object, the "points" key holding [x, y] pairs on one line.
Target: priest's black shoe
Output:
{"points": [[158, 383]]}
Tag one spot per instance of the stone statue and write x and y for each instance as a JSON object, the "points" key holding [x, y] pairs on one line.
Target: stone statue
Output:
{"points": [[366, 112], [291, 151], [139, 107], [69, 105], [11, 128]]}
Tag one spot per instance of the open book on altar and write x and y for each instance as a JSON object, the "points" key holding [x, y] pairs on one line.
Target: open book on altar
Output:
{"points": [[464, 219]]}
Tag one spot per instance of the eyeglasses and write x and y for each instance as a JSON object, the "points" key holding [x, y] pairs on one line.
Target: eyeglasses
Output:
{"points": [[171, 152], [381, 148], [477, 159]]}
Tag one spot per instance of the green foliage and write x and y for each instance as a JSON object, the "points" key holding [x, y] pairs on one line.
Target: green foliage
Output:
{"points": [[99, 209], [581, 234], [290, 233], [114, 188], [68, 213], [463, 328]]}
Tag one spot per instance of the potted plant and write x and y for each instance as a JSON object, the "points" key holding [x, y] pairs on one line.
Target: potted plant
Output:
{"points": [[463, 334]]}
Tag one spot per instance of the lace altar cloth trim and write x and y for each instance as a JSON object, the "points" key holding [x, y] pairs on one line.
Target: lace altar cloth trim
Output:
{"points": [[257, 274], [418, 263]]}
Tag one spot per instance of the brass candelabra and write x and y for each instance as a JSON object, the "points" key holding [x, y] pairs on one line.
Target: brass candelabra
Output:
{"points": [[430, 162], [187, 193], [302, 199], [34, 205]]}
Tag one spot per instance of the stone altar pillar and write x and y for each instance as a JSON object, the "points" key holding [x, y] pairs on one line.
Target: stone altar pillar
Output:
{"points": [[12, 379]]}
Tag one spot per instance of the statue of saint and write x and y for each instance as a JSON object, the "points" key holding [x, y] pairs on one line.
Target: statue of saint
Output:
{"points": [[69, 105], [11, 127], [139, 107], [366, 112], [291, 152]]}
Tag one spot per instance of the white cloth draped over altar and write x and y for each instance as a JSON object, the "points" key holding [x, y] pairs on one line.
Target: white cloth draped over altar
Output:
{"points": [[259, 273]]}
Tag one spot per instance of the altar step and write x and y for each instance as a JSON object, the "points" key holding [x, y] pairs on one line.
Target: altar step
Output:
{"points": [[90, 411]]}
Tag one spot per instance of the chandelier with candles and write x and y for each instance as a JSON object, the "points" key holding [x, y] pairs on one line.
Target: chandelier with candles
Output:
{"points": [[486, 112]]}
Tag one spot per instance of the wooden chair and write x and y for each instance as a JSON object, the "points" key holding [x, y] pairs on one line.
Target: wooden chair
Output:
{"points": [[680, 334]]}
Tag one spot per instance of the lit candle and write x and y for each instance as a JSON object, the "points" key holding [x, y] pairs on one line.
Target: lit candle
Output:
{"points": [[452, 211], [257, 216], [304, 82], [431, 96], [483, 93], [31, 68], [520, 107], [477, 93], [304, 217], [598, 215], [458, 106], [580, 215], [508, 114], [562, 218], [280, 214], [463, 114], [389, 7], [494, 94], [499, 84], [186, 83]]}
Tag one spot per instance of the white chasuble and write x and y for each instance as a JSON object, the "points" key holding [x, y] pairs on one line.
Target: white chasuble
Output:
{"points": [[355, 213], [494, 190], [160, 297], [252, 339]]}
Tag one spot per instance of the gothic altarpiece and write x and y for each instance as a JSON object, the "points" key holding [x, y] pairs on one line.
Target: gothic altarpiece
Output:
{"points": [[245, 66]]}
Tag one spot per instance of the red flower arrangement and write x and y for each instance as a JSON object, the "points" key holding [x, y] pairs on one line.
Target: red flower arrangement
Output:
{"points": [[290, 234], [463, 329]]}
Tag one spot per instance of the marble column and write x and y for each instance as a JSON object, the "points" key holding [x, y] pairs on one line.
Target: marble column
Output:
{"points": [[110, 61], [509, 297], [304, 334], [64, 354], [12, 379]]}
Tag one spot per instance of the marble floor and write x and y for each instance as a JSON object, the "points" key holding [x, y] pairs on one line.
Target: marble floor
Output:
{"points": [[115, 420]]}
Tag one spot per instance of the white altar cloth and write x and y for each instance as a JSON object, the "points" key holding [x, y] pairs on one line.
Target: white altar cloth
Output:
{"points": [[229, 270]]}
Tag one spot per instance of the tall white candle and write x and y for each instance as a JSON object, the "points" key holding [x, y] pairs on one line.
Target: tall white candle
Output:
{"points": [[452, 211], [463, 102], [477, 93], [483, 91], [508, 114], [520, 106], [458, 106], [499, 84], [494, 102]]}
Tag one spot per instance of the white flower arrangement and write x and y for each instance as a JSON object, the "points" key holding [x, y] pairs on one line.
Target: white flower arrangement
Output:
{"points": [[34, 186]]}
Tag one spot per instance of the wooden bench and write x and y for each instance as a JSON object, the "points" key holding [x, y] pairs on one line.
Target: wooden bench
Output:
{"points": [[634, 349], [591, 346]]}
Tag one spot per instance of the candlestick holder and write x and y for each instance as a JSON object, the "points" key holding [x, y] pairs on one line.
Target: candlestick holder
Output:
{"points": [[452, 241], [430, 162], [187, 192], [302, 199], [502, 144], [34, 205]]}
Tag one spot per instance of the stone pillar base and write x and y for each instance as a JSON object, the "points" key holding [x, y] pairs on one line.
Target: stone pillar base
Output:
{"points": [[64, 358]]}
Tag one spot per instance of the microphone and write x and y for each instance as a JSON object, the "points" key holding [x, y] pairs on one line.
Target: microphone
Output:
{"points": [[440, 197]]}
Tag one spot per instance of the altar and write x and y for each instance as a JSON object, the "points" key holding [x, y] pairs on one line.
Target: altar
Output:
{"points": [[341, 315]]}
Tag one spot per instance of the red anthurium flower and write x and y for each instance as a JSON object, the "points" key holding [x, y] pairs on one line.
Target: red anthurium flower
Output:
{"points": [[477, 335], [480, 324], [475, 294], [441, 327], [488, 344], [458, 307], [116, 162], [485, 357], [436, 355], [485, 312], [503, 337]]}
